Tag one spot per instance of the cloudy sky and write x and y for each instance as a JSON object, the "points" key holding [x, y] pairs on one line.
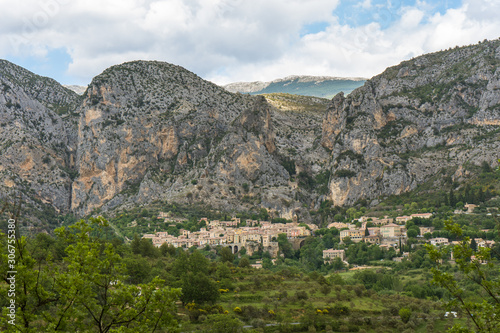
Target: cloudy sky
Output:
{"points": [[237, 40]]}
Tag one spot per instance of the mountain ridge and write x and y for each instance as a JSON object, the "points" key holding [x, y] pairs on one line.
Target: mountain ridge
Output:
{"points": [[148, 131], [308, 85]]}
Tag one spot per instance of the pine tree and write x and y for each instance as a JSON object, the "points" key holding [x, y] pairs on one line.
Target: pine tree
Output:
{"points": [[473, 244], [452, 200]]}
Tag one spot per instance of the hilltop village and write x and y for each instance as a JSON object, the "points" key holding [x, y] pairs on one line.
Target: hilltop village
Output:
{"points": [[254, 235]]}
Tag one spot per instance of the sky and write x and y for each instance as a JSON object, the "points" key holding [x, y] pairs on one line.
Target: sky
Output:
{"points": [[237, 40]]}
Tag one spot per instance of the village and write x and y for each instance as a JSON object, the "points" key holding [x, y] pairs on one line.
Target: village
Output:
{"points": [[254, 235]]}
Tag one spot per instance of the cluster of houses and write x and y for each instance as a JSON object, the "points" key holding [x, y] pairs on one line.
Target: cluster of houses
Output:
{"points": [[441, 241], [254, 236], [388, 234], [262, 235], [385, 232]]}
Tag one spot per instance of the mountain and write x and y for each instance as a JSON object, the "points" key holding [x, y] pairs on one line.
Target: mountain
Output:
{"points": [[148, 131], [37, 139], [153, 131], [435, 115], [318, 86], [80, 90]]}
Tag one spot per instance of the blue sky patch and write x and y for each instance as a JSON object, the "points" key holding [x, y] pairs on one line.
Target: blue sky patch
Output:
{"points": [[53, 65], [313, 28], [386, 12]]}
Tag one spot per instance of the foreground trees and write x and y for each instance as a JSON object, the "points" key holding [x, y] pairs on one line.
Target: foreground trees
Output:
{"points": [[477, 268], [86, 290]]}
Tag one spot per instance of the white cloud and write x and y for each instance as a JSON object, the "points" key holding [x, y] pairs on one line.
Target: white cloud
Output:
{"points": [[366, 4], [236, 40]]}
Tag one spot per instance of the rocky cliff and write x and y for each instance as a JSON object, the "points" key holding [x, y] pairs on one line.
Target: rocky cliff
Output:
{"points": [[149, 131], [434, 112], [37, 138]]}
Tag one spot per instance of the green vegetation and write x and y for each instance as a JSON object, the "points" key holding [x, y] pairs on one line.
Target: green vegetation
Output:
{"points": [[222, 292], [353, 156], [345, 173], [76, 282], [289, 165], [298, 103], [475, 288], [392, 129]]}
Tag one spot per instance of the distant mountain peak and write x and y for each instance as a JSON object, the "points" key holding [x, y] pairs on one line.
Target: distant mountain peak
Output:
{"points": [[307, 85], [80, 90], [312, 78]]}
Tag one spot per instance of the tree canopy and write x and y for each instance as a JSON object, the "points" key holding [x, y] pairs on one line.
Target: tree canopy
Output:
{"points": [[86, 290], [474, 266]]}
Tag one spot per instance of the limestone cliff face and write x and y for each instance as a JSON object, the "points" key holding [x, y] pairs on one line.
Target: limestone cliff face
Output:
{"points": [[436, 111], [148, 128], [36, 149]]}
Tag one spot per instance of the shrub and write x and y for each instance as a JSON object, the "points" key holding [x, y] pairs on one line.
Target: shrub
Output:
{"points": [[405, 314], [301, 295], [345, 173]]}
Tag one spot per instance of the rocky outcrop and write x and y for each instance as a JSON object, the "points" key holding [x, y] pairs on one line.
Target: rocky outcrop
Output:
{"points": [[37, 118], [410, 121], [157, 124]]}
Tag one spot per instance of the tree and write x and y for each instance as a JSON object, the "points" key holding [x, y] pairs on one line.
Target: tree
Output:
{"points": [[198, 263], [198, 288], [485, 314], [137, 269], [144, 247], [167, 249], [452, 200], [223, 271], [86, 291], [351, 212], [226, 255], [337, 264], [311, 254], [405, 314], [285, 246], [221, 323], [325, 289], [181, 264], [267, 263], [244, 263], [485, 167], [412, 233], [473, 244], [263, 215]]}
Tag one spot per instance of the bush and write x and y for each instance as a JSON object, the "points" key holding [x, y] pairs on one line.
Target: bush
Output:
{"points": [[405, 314], [301, 295], [221, 323], [345, 173]]}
